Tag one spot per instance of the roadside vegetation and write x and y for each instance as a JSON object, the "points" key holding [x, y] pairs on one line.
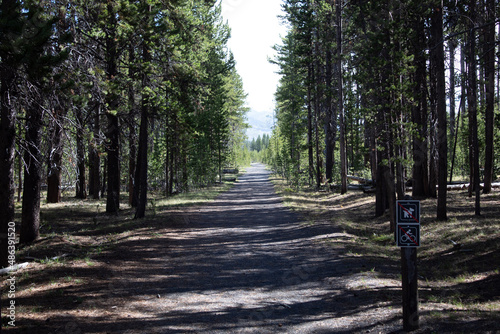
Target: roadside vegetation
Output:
{"points": [[79, 245], [458, 261]]}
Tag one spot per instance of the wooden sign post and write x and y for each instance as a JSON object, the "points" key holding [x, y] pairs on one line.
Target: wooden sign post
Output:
{"points": [[408, 238]]}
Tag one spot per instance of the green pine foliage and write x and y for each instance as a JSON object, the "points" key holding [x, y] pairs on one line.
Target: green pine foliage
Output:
{"points": [[106, 64], [380, 50]]}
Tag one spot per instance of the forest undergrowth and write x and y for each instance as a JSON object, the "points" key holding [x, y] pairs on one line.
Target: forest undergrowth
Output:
{"points": [[458, 260], [72, 272]]}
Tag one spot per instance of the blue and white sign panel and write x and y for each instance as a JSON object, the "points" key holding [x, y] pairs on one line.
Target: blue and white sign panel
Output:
{"points": [[408, 212], [408, 235], [408, 223]]}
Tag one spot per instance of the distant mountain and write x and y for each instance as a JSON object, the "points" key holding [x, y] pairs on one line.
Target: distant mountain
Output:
{"points": [[260, 122]]}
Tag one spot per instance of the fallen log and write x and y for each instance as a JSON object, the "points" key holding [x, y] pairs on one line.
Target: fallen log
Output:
{"points": [[463, 186], [14, 268], [230, 171], [359, 179]]}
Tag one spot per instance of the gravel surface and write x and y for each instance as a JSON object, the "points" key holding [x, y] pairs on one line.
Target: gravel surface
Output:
{"points": [[247, 264]]}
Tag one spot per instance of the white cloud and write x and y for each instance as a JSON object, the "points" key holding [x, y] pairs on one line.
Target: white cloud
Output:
{"points": [[255, 28]]}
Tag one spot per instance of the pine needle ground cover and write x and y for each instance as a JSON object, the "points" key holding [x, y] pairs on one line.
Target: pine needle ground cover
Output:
{"points": [[79, 266], [76, 267]]}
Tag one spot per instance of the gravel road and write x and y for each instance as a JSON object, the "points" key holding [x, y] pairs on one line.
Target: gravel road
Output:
{"points": [[247, 264]]}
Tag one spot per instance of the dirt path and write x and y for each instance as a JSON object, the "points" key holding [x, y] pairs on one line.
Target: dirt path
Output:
{"points": [[243, 264]]}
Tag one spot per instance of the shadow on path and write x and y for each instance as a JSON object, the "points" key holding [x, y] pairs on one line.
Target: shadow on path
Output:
{"points": [[243, 264]]}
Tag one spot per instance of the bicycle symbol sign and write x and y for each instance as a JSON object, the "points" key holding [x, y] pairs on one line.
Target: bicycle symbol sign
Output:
{"points": [[408, 223], [408, 235]]}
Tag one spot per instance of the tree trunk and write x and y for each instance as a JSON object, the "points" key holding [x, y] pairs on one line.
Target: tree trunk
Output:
{"points": [[80, 157], [30, 224], [432, 137], [7, 137], [490, 94], [420, 181], [310, 150], [317, 103], [318, 153], [340, 95], [472, 99], [168, 154], [113, 164], [56, 130], [55, 158], [373, 149], [113, 130], [385, 192], [331, 114], [400, 156], [142, 157], [329, 121], [452, 44], [95, 171], [132, 140], [442, 136], [19, 174], [142, 165]]}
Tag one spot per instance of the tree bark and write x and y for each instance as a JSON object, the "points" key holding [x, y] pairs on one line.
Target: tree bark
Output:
{"points": [[310, 150], [55, 158], [490, 94], [142, 158], [113, 130], [432, 136], [472, 103], [132, 128], [420, 178], [340, 96], [452, 44], [57, 119], [330, 120], [7, 138], [385, 192], [141, 187], [95, 170], [81, 191], [113, 164], [168, 154], [442, 136], [385, 180], [330, 108], [30, 224], [317, 82]]}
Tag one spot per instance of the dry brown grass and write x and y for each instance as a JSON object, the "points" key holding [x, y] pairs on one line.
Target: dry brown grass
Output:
{"points": [[74, 274], [459, 260], [457, 284]]}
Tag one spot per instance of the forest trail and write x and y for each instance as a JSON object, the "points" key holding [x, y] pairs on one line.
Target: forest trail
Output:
{"points": [[246, 264]]}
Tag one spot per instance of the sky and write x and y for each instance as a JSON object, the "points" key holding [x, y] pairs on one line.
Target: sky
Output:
{"points": [[255, 29]]}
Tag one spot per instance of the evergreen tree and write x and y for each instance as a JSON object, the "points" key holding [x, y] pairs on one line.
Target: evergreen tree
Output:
{"points": [[38, 63], [11, 26]]}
